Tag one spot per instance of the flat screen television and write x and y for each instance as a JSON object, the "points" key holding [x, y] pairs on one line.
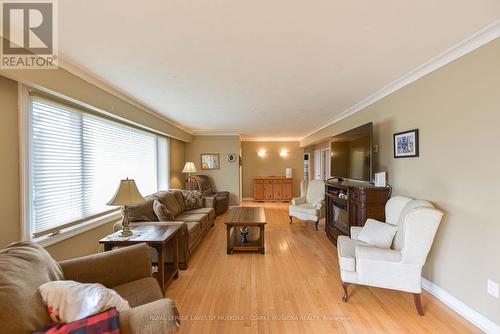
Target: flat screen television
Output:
{"points": [[352, 154]]}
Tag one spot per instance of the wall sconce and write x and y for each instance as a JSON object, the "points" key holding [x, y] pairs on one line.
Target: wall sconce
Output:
{"points": [[261, 153], [283, 153]]}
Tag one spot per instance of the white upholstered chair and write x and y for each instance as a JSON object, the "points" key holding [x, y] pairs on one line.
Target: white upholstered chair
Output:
{"points": [[398, 267], [311, 203]]}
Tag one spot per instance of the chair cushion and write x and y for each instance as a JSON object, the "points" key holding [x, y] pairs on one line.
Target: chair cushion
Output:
{"points": [[140, 292], [305, 208], [346, 248], [168, 199], [24, 266], [377, 234], [143, 212]]}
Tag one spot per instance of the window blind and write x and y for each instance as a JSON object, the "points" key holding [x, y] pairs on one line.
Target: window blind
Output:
{"points": [[77, 160]]}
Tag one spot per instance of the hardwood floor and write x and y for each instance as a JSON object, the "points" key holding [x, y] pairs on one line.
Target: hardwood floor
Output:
{"points": [[293, 288]]}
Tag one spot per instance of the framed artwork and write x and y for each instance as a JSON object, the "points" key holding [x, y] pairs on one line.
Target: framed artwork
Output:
{"points": [[406, 144], [210, 161]]}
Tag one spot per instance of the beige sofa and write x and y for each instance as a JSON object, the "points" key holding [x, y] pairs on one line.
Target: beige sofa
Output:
{"points": [[196, 222], [24, 266]]}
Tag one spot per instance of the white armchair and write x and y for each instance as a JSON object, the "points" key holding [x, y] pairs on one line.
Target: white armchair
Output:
{"points": [[398, 267], [311, 203]]}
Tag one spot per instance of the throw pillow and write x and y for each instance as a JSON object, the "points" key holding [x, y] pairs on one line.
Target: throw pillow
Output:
{"points": [[377, 234], [192, 199], [105, 322], [162, 212], [68, 301]]}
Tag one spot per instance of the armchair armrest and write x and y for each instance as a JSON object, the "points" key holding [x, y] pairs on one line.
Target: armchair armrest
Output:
{"points": [[298, 200], [111, 268], [369, 253], [355, 232], [319, 205], [160, 316]]}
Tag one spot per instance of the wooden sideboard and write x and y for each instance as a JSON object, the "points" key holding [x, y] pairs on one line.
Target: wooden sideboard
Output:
{"points": [[272, 188], [351, 203]]}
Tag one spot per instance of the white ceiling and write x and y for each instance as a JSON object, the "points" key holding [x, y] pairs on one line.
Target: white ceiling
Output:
{"points": [[258, 68]]}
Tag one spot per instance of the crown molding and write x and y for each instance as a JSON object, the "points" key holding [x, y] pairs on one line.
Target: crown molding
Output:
{"points": [[215, 134], [71, 67], [262, 139], [471, 43]]}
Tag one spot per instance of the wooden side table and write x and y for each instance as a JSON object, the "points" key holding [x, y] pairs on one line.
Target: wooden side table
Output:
{"points": [[161, 238]]}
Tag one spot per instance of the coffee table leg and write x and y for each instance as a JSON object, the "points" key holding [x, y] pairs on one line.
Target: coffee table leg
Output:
{"points": [[161, 267], [229, 248], [262, 234]]}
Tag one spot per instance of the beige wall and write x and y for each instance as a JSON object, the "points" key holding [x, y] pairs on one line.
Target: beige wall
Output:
{"points": [[9, 168], [227, 178], [457, 111], [177, 159], [272, 164]]}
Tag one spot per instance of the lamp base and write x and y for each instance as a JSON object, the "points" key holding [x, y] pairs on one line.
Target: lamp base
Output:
{"points": [[126, 233]]}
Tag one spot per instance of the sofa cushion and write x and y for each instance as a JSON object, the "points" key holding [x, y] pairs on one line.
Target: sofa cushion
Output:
{"points": [[24, 266], [140, 292], [209, 211], [178, 196], [162, 212], [346, 248], [191, 217], [192, 199], [168, 199], [143, 212]]}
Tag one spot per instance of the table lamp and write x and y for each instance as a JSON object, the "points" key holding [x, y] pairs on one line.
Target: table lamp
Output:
{"points": [[127, 194], [189, 168]]}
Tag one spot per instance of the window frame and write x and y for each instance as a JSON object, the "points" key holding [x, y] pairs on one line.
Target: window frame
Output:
{"points": [[88, 223]]}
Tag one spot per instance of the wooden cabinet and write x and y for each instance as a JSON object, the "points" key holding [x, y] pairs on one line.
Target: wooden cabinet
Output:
{"points": [[351, 203], [272, 188]]}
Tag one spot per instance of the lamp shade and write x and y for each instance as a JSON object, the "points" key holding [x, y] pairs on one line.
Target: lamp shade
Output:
{"points": [[127, 194], [189, 167]]}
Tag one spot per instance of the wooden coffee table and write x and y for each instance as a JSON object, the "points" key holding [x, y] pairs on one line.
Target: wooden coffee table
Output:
{"points": [[161, 238], [245, 230]]}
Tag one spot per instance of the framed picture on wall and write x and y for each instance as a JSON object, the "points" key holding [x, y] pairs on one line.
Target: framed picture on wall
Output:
{"points": [[210, 161], [406, 144]]}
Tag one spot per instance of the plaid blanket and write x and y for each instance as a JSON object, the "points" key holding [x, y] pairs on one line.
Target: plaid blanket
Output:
{"points": [[102, 323]]}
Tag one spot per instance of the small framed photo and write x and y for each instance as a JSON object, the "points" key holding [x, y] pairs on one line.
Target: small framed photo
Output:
{"points": [[406, 144], [210, 161]]}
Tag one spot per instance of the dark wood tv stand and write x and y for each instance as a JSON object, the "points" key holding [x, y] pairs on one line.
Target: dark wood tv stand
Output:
{"points": [[351, 203]]}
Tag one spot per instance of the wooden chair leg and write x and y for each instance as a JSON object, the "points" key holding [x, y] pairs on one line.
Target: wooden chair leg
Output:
{"points": [[346, 295], [418, 303], [290, 220], [316, 222]]}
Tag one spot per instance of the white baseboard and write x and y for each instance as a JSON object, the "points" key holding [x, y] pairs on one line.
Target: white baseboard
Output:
{"points": [[458, 306], [247, 199]]}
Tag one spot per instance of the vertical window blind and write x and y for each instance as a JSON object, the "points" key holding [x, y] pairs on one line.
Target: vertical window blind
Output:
{"points": [[77, 160]]}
